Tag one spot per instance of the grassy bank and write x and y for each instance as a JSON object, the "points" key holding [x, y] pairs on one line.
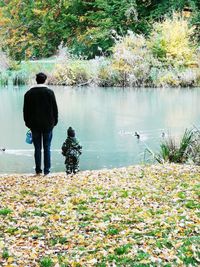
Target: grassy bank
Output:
{"points": [[168, 57], [135, 216]]}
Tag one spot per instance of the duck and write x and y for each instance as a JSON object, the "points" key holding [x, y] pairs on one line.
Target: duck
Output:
{"points": [[2, 149], [137, 135]]}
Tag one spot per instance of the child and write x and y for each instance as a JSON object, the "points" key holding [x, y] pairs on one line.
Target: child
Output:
{"points": [[71, 150]]}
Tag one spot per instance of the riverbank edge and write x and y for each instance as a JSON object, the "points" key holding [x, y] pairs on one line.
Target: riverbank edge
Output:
{"points": [[169, 166]]}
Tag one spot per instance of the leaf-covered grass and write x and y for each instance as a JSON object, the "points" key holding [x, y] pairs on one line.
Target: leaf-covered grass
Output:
{"points": [[134, 216]]}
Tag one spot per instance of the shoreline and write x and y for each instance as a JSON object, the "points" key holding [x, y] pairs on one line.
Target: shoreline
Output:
{"points": [[193, 168], [136, 166]]}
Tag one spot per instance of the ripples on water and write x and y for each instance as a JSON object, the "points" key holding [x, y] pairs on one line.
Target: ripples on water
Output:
{"points": [[105, 120]]}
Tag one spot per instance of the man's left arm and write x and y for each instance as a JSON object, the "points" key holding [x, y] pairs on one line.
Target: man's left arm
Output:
{"points": [[26, 111]]}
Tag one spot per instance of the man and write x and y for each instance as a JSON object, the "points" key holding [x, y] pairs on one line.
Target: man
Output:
{"points": [[41, 115]]}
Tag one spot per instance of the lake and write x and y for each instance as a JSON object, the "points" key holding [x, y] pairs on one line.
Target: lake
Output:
{"points": [[105, 120]]}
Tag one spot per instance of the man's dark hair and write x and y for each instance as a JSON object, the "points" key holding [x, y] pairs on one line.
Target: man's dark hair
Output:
{"points": [[41, 77]]}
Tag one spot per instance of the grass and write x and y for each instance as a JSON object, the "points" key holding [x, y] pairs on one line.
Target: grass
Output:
{"points": [[5, 253], [5, 211], [101, 72], [123, 249], [4, 79], [177, 153], [46, 262], [24, 73], [185, 150], [102, 218]]}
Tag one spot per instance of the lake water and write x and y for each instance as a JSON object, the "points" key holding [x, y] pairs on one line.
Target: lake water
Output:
{"points": [[105, 120]]}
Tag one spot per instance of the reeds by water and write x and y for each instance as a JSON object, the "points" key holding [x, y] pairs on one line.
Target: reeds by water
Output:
{"points": [[184, 150]]}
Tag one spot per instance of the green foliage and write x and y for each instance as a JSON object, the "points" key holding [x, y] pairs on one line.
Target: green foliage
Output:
{"points": [[36, 28], [112, 231], [58, 240], [4, 79], [171, 42], [171, 152], [187, 150], [123, 249], [46, 262], [74, 73], [132, 59], [5, 253], [5, 61], [5, 211], [135, 43]]}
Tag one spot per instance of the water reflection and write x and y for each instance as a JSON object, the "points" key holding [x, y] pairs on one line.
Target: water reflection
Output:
{"points": [[105, 120]]}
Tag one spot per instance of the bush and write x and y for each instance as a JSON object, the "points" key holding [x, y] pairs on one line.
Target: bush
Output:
{"points": [[172, 77], [107, 76], [188, 77], [4, 61], [132, 59], [186, 150], [171, 42], [75, 72], [4, 79], [167, 78]]}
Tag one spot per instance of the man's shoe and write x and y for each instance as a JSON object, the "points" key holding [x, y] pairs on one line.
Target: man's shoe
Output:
{"points": [[48, 174], [37, 174]]}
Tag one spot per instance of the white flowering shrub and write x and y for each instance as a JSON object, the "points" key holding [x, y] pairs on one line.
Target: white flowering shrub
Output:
{"points": [[167, 78], [75, 72], [131, 59], [4, 61], [188, 77], [167, 59]]}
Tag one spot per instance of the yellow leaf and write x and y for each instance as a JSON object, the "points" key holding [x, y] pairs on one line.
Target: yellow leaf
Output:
{"points": [[145, 261], [55, 217], [10, 259]]}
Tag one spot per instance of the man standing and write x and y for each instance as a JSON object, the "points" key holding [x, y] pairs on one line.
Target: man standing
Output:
{"points": [[41, 115]]}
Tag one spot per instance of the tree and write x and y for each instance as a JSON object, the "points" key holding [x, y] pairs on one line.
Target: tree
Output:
{"points": [[36, 28]]}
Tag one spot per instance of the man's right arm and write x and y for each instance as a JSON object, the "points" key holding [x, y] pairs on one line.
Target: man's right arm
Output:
{"points": [[55, 109], [26, 111]]}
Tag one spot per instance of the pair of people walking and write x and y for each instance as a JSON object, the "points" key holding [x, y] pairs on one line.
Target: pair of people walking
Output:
{"points": [[41, 116]]}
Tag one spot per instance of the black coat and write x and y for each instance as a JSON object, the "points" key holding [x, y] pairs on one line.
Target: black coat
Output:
{"points": [[40, 108]]}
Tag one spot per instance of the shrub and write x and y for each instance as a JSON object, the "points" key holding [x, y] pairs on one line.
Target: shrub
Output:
{"points": [[171, 42], [107, 76], [188, 77], [4, 61], [177, 153], [61, 75], [167, 78], [187, 150], [75, 72], [172, 77], [131, 59], [4, 79], [20, 78], [194, 149]]}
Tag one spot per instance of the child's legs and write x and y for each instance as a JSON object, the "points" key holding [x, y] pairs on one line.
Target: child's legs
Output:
{"points": [[75, 164], [69, 165]]}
